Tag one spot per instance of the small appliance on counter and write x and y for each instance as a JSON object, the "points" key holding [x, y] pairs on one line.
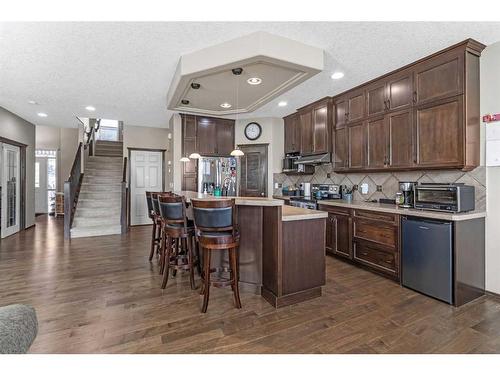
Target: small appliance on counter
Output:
{"points": [[406, 199], [445, 197]]}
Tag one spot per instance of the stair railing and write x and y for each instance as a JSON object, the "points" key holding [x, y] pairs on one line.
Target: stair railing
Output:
{"points": [[71, 191], [124, 199]]}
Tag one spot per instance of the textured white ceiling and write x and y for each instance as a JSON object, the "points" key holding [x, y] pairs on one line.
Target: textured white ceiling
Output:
{"points": [[124, 69]]}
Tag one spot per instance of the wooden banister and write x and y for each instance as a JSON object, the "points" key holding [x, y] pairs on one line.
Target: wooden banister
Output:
{"points": [[71, 191], [124, 200]]}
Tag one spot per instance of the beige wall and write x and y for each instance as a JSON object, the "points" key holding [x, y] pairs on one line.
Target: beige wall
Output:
{"points": [[272, 133], [490, 103], [66, 141], [150, 138], [17, 129]]}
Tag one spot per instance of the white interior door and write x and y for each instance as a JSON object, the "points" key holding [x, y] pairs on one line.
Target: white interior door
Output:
{"points": [[11, 189], [41, 201], [146, 174]]}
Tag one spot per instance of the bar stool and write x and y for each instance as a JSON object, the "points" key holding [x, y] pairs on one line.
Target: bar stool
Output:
{"points": [[177, 238], [155, 235], [216, 229]]}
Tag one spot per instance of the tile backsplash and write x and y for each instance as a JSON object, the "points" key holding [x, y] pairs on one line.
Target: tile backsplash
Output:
{"points": [[389, 181]]}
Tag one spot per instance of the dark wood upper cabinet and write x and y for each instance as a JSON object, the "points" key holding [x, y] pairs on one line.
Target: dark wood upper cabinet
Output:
{"points": [[357, 145], [356, 106], [315, 128], [320, 128], [206, 137], [292, 133], [376, 98], [341, 105], [224, 137], [376, 134], [401, 139], [439, 130], [340, 154], [399, 88], [439, 77], [421, 116], [306, 133]]}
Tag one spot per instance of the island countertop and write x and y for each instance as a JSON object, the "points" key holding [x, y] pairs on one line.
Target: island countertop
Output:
{"points": [[290, 213], [240, 201]]}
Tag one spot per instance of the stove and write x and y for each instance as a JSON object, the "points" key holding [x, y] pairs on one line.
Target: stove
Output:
{"points": [[318, 192]]}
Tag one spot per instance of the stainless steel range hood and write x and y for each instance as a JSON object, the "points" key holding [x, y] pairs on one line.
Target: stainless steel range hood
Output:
{"points": [[314, 159]]}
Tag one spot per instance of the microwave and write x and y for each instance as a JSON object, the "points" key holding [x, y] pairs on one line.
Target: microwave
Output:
{"points": [[289, 163], [445, 197]]}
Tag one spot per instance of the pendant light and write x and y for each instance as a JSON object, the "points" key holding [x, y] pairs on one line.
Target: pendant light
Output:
{"points": [[184, 159], [195, 154], [237, 152]]}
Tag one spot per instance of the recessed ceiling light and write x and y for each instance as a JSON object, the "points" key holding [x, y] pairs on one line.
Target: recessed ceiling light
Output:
{"points": [[254, 81], [337, 75], [41, 114], [282, 104], [32, 102], [90, 108], [226, 105]]}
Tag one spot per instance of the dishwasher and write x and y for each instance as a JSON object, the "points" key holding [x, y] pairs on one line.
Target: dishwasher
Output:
{"points": [[427, 257]]}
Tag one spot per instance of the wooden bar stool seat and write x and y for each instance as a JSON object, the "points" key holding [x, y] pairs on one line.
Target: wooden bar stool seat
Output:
{"points": [[216, 230], [178, 234]]}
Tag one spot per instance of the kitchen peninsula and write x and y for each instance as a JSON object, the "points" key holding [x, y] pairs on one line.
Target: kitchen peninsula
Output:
{"points": [[282, 248]]}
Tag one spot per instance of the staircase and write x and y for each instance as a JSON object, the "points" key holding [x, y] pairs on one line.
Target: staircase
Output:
{"points": [[109, 148], [99, 202]]}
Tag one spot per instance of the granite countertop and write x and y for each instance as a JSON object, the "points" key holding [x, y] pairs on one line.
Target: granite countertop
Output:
{"points": [[290, 213], [393, 209], [240, 201]]}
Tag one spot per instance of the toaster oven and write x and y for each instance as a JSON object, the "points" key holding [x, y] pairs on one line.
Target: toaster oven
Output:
{"points": [[445, 197]]}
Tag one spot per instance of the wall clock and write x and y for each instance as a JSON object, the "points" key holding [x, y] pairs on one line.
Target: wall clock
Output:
{"points": [[253, 131]]}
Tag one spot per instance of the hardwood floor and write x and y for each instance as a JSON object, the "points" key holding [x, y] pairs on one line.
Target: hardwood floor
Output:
{"points": [[101, 295]]}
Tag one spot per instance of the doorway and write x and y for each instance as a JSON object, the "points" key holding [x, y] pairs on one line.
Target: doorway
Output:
{"points": [[11, 189], [45, 181], [146, 174], [253, 176]]}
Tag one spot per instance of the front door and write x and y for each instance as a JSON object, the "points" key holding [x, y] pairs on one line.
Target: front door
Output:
{"points": [[146, 174], [41, 198], [253, 180], [11, 189]]}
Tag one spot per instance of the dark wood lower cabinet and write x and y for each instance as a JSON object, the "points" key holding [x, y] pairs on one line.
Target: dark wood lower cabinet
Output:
{"points": [[338, 234], [367, 238]]}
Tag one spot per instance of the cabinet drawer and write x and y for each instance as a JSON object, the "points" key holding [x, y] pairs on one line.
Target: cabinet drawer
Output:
{"points": [[335, 210], [375, 215], [375, 256], [379, 232]]}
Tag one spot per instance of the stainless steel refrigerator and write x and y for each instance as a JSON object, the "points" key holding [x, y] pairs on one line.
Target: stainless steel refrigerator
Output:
{"points": [[218, 172]]}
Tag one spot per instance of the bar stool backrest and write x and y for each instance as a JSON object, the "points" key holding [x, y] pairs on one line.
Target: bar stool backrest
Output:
{"points": [[173, 209], [214, 215], [149, 202]]}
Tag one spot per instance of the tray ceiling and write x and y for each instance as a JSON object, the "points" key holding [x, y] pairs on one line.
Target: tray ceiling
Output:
{"points": [[205, 81]]}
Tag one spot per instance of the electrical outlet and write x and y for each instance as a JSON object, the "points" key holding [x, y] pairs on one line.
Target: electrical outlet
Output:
{"points": [[328, 175], [354, 187], [277, 185], [379, 188]]}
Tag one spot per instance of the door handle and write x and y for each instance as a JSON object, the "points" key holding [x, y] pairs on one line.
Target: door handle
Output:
{"points": [[414, 97]]}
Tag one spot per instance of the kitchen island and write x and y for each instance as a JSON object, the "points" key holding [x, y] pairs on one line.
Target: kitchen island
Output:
{"points": [[282, 248]]}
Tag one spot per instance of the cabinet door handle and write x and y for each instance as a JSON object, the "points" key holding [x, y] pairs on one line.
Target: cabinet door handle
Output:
{"points": [[414, 97], [385, 104], [388, 103]]}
